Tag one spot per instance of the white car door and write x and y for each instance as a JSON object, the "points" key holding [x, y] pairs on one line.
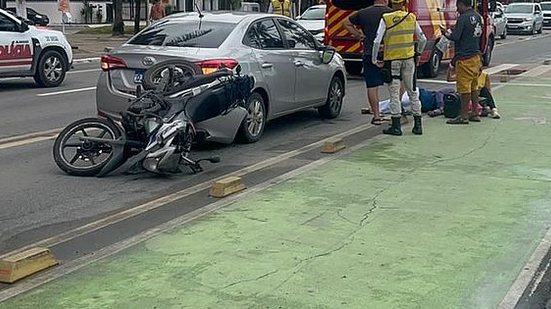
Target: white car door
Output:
{"points": [[15, 46]]}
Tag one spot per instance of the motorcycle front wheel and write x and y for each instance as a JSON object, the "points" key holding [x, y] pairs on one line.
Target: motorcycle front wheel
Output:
{"points": [[79, 157]]}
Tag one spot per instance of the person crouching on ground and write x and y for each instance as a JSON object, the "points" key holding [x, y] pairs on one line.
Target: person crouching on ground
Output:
{"points": [[485, 87], [467, 61], [368, 19], [397, 30]]}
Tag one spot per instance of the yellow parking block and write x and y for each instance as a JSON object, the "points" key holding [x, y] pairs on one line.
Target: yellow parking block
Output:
{"points": [[333, 145], [26, 263], [227, 186]]}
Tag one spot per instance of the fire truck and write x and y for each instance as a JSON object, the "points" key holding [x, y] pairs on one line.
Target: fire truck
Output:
{"points": [[430, 15]]}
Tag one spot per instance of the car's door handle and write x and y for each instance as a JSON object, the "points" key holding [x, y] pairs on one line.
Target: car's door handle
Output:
{"points": [[299, 63], [267, 65]]}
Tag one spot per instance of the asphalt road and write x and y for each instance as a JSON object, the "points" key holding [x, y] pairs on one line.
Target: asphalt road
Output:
{"points": [[39, 201]]}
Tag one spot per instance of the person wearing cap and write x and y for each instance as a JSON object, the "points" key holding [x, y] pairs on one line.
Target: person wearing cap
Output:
{"points": [[467, 60], [397, 30]]}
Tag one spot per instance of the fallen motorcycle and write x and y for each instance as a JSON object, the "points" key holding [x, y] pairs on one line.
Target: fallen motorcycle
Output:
{"points": [[157, 130]]}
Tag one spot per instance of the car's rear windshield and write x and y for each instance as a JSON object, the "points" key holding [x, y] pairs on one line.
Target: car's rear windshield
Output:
{"points": [[546, 6], [185, 34], [519, 8]]}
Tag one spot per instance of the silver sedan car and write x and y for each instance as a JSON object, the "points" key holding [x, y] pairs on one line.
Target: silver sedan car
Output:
{"points": [[292, 70]]}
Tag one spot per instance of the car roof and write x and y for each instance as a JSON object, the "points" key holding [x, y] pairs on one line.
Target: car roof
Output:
{"points": [[233, 17]]}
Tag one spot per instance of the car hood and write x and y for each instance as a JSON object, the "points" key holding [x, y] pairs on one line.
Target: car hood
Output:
{"points": [[312, 25]]}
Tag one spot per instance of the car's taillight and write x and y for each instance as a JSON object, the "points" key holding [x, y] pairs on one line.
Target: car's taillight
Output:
{"points": [[211, 66], [110, 63]]}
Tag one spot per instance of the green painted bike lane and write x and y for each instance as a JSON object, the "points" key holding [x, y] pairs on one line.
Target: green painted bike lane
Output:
{"points": [[446, 220]]}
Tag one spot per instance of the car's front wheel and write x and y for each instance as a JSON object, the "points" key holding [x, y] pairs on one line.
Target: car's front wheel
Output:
{"points": [[51, 69], [252, 127], [335, 98]]}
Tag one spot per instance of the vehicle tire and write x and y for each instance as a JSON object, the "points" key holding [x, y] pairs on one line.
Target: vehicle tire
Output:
{"points": [[487, 57], [335, 97], [431, 68], [503, 36], [85, 152], [152, 75], [354, 68], [51, 69], [253, 125]]}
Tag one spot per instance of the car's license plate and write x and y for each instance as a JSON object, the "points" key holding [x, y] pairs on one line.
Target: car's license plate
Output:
{"points": [[138, 77]]}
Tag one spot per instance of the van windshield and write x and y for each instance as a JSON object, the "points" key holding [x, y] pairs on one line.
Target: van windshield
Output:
{"points": [[546, 6]]}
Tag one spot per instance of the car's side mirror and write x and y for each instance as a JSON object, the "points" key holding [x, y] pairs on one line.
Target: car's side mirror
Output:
{"points": [[23, 27], [327, 55]]}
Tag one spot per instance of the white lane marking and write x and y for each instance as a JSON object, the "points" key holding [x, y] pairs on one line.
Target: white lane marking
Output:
{"points": [[86, 60], [139, 209], [499, 68], [70, 72], [69, 267], [65, 91], [519, 40], [83, 71], [26, 141], [537, 71]]}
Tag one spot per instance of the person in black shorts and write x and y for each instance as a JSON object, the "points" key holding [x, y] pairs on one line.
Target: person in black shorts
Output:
{"points": [[368, 20]]}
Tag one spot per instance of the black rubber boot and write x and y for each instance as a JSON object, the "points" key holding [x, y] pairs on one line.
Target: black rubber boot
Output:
{"points": [[418, 126], [395, 128]]}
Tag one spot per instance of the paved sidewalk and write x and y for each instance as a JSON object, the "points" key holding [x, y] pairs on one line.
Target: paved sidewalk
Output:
{"points": [[446, 220], [93, 45]]}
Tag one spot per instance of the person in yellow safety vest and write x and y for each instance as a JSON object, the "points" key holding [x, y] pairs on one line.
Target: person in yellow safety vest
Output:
{"points": [[281, 7], [397, 30]]}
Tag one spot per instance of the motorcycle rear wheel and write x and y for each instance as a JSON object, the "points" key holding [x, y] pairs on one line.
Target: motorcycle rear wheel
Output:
{"points": [[84, 158]]}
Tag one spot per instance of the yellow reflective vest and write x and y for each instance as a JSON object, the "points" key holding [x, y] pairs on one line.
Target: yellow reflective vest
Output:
{"points": [[398, 41], [282, 8]]}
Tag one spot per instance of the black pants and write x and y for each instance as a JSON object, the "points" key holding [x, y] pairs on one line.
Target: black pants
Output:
{"points": [[485, 93]]}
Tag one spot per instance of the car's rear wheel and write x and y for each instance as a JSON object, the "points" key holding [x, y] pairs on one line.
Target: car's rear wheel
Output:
{"points": [[354, 67], [335, 98], [253, 125], [51, 69]]}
